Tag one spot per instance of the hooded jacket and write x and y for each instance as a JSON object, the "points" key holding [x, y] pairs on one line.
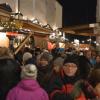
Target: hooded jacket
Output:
{"points": [[27, 89]]}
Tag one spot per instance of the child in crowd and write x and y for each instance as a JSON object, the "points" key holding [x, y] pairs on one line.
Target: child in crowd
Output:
{"points": [[28, 88]]}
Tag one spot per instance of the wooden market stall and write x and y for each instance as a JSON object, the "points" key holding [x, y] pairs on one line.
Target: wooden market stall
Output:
{"points": [[86, 30], [39, 33]]}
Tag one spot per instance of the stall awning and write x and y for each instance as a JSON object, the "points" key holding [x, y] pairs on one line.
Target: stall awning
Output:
{"points": [[84, 30]]}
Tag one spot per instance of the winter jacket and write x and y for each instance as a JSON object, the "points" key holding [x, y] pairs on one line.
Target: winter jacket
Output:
{"points": [[27, 89], [84, 67], [9, 75], [44, 74], [63, 88]]}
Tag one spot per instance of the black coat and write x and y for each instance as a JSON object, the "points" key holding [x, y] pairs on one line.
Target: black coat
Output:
{"points": [[9, 75], [44, 74], [84, 67]]}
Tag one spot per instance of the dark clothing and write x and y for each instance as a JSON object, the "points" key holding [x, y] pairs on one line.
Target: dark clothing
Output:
{"points": [[9, 75], [97, 66], [84, 67], [64, 88], [43, 76]]}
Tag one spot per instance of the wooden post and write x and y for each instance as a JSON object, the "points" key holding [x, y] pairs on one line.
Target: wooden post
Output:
{"points": [[23, 43]]}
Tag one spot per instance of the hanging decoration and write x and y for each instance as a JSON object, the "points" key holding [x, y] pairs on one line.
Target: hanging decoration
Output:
{"points": [[11, 25], [57, 36]]}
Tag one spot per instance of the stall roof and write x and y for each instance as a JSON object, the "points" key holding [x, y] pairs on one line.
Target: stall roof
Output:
{"points": [[35, 27], [26, 24], [85, 30]]}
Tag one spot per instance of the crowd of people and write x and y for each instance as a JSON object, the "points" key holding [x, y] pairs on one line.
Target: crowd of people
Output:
{"points": [[35, 74]]}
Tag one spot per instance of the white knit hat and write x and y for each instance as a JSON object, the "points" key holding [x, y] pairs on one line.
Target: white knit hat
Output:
{"points": [[26, 56], [29, 71]]}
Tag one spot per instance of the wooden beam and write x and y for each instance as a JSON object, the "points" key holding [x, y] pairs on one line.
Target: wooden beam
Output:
{"points": [[78, 27], [23, 43], [83, 34]]}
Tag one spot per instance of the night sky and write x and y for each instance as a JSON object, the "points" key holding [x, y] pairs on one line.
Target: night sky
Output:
{"points": [[76, 12]]}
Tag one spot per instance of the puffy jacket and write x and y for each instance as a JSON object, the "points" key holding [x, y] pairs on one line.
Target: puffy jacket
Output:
{"points": [[27, 89]]}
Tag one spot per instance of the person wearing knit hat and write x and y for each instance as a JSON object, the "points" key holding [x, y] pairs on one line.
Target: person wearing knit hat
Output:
{"points": [[26, 56], [62, 88], [72, 59], [28, 88], [29, 71]]}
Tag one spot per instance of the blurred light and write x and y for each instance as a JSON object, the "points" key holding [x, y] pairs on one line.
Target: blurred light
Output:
{"points": [[83, 41], [91, 25], [1, 28], [32, 19], [4, 41], [88, 39], [86, 48], [66, 39], [25, 17], [2, 35], [55, 27], [95, 42]]}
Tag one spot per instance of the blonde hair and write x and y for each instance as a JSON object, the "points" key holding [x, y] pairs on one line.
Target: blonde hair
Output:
{"points": [[5, 52]]}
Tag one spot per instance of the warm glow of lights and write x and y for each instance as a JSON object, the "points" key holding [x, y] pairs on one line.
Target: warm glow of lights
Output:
{"points": [[33, 18], [97, 44], [50, 45], [12, 33], [91, 25], [62, 45], [1, 28], [25, 17], [4, 41], [55, 27], [76, 41], [86, 48]]}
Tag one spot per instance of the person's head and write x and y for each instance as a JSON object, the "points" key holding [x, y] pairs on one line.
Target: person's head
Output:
{"points": [[70, 67], [95, 76], [26, 57], [57, 64], [97, 90], [29, 71], [98, 59], [5, 52], [44, 59], [88, 54]]}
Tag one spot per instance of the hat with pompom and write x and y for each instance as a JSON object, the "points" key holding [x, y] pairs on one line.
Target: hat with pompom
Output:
{"points": [[29, 71]]}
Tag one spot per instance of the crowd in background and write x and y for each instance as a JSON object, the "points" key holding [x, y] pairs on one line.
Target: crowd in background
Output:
{"points": [[37, 74]]}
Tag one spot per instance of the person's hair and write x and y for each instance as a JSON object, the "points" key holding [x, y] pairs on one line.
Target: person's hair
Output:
{"points": [[5, 52]]}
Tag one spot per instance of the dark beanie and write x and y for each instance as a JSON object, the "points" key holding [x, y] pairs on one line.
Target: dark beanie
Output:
{"points": [[72, 59]]}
